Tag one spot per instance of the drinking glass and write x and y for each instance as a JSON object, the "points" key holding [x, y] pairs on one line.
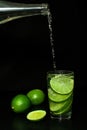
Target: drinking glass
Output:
{"points": [[60, 85]]}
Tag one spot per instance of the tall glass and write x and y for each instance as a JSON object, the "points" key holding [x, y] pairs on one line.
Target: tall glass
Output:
{"points": [[60, 85]]}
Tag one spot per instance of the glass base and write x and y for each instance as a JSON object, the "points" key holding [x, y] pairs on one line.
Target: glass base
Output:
{"points": [[61, 117]]}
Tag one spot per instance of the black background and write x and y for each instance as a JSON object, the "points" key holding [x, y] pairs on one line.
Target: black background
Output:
{"points": [[27, 40], [25, 53]]}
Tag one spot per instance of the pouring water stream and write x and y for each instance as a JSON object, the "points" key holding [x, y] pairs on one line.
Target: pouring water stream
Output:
{"points": [[10, 11]]}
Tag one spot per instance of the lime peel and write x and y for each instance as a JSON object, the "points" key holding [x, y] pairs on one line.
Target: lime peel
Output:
{"points": [[36, 115], [20, 103], [36, 96]]}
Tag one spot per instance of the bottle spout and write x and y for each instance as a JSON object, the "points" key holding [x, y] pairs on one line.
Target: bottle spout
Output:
{"points": [[11, 10]]}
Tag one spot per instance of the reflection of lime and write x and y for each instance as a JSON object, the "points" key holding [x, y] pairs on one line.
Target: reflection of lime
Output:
{"points": [[62, 84], [36, 96], [56, 97], [20, 103], [36, 115]]}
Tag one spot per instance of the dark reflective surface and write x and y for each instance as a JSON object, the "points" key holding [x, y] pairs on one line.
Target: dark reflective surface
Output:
{"points": [[13, 121], [64, 125]]}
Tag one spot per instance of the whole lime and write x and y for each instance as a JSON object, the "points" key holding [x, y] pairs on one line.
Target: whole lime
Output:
{"points": [[20, 103], [36, 96]]}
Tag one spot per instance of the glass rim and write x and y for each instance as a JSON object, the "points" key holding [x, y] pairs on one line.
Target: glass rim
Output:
{"points": [[61, 71]]}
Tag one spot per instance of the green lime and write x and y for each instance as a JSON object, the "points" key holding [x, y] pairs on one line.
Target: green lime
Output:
{"points": [[36, 115], [36, 96], [64, 109], [54, 106], [56, 97], [62, 84], [20, 103]]}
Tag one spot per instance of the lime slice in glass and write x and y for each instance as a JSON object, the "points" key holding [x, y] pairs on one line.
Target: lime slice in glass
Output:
{"points": [[56, 97], [62, 84], [36, 115], [64, 109], [54, 106]]}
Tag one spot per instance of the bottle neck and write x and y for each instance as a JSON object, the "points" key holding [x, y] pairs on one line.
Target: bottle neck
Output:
{"points": [[11, 10]]}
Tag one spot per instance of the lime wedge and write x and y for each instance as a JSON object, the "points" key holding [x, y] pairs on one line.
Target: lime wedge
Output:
{"points": [[62, 84], [36, 115], [56, 97]]}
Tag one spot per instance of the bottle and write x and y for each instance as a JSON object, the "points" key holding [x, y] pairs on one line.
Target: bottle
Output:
{"points": [[11, 10]]}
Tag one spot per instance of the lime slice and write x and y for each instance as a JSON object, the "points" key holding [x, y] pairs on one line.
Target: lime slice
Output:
{"points": [[56, 97], [62, 84], [64, 109], [59, 106], [36, 115]]}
